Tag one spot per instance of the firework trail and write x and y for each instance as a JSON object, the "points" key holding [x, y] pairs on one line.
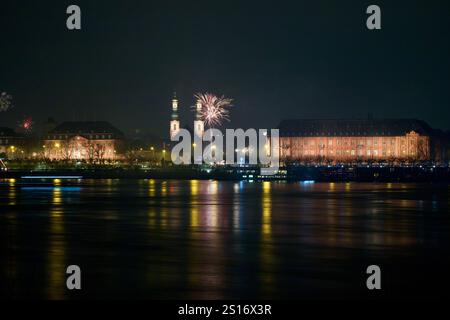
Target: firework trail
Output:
{"points": [[214, 109], [5, 101]]}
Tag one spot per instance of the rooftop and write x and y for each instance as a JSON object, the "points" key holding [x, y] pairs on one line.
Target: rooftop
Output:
{"points": [[352, 127], [86, 127]]}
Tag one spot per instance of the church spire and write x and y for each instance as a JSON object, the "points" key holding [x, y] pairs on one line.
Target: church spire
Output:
{"points": [[174, 106], [174, 123]]}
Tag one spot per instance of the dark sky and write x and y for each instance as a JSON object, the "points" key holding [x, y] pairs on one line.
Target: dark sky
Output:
{"points": [[277, 59]]}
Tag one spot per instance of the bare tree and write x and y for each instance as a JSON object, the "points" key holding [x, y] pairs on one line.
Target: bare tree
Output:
{"points": [[99, 152], [67, 149]]}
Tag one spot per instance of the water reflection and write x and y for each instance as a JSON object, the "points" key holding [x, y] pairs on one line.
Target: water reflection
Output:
{"points": [[57, 246], [12, 192], [194, 212], [266, 211], [209, 239], [267, 253]]}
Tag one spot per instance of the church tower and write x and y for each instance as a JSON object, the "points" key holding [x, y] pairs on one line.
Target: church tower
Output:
{"points": [[174, 122], [199, 126], [199, 129]]}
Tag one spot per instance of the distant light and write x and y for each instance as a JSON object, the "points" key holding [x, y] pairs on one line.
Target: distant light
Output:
{"points": [[52, 177], [39, 188]]}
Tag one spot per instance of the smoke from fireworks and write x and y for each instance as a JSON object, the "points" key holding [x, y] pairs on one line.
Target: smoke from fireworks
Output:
{"points": [[214, 109], [5, 101], [26, 124]]}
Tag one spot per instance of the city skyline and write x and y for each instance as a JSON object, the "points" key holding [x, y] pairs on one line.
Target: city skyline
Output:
{"points": [[292, 61], [224, 158]]}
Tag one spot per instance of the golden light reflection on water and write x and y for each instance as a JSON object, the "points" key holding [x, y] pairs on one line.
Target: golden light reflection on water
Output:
{"points": [[11, 230], [12, 195], [348, 187], [152, 204], [151, 188], [164, 188], [57, 246], [204, 262], [212, 214], [266, 209], [163, 221], [193, 184], [331, 186], [267, 254], [194, 212]]}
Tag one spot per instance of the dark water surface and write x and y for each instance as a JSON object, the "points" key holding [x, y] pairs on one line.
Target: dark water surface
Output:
{"points": [[211, 240]]}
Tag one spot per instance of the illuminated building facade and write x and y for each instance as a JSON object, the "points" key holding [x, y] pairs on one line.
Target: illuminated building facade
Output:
{"points": [[94, 141], [11, 144], [338, 141]]}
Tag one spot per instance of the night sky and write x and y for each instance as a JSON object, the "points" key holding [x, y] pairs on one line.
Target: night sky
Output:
{"points": [[277, 59]]}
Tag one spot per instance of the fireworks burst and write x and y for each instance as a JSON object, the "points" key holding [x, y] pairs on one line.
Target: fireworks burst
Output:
{"points": [[214, 109], [5, 101], [26, 124]]}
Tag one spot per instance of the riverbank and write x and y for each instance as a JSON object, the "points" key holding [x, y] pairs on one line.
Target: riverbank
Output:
{"points": [[293, 173]]}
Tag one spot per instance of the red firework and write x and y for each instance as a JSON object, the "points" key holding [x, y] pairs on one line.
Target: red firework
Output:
{"points": [[26, 124]]}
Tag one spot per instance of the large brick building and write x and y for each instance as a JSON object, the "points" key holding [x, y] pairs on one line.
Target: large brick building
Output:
{"points": [[355, 140], [93, 141]]}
